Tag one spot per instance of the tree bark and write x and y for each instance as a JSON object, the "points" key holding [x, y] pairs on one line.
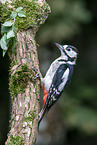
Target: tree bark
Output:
{"points": [[25, 106], [24, 88]]}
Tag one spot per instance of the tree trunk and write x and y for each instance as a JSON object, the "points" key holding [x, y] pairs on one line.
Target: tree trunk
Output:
{"points": [[24, 88], [25, 105]]}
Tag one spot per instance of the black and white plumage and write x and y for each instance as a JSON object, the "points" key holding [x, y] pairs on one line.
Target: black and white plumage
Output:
{"points": [[58, 77]]}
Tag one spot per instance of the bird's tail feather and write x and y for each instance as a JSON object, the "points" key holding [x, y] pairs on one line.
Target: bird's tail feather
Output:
{"points": [[41, 115]]}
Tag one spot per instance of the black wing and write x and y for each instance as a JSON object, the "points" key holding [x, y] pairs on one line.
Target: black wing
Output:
{"points": [[57, 80]]}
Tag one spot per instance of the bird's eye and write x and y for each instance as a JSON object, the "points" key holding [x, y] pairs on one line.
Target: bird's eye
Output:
{"points": [[68, 49]]}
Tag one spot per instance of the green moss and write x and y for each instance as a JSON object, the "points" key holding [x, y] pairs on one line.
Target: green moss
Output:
{"points": [[19, 79], [31, 116], [17, 140], [13, 63], [35, 13], [5, 12]]}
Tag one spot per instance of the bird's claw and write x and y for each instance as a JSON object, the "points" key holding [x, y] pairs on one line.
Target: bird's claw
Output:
{"points": [[37, 73]]}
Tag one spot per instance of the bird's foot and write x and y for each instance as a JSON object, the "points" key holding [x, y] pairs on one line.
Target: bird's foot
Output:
{"points": [[38, 75]]}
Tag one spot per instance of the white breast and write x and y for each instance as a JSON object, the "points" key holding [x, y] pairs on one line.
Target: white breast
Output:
{"points": [[47, 80]]}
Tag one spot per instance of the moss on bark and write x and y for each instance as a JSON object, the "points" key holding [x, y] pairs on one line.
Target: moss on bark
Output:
{"points": [[25, 90]]}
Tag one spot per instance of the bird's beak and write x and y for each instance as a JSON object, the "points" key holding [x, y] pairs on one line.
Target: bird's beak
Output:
{"points": [[59, 46]]}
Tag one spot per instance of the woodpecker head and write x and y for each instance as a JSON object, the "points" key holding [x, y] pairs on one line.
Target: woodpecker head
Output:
{"points": [[70, 51]]}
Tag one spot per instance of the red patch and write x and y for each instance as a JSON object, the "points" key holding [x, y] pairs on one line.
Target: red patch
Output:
{"points": [[44, 97], [45, 94]]}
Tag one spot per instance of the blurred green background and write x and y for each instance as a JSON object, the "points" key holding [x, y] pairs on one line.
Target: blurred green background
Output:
{"points": [[73, 120]]}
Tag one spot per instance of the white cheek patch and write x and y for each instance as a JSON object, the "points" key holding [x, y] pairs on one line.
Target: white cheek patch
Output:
{"points": [[72, 54]]}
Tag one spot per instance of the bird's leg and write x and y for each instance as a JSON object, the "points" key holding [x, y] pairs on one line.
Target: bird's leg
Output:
{"points": [[38, 74]]}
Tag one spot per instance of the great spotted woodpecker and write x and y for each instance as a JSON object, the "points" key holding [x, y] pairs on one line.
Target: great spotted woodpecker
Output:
{"points": [[57, 77]]}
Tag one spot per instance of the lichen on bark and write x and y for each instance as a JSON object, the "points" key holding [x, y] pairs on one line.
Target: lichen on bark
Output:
{"points": [[24, 89]]}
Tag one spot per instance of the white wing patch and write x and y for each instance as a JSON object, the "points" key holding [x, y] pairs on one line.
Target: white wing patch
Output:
{"points": [[64, 78]]}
